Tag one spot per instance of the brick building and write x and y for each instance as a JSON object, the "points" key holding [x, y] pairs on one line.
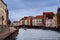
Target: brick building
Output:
{"points": [[58, 17]]}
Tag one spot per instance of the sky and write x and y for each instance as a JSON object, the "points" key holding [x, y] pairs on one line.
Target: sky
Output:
{"points": [[20, 8]]}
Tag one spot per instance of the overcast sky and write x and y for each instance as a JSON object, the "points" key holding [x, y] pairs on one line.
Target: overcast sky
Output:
{"points": [[20, 8]]}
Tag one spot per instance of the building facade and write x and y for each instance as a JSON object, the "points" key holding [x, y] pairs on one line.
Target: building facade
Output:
{"points": [[21, 22], [58, 17], [26, 22], [37, 21], [16, 23], [30, 20], [46, 16], [49, 22], [3, 14], [54, 21]]}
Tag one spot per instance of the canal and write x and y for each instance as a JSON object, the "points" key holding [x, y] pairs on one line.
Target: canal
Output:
{"points": [[37, 34]]}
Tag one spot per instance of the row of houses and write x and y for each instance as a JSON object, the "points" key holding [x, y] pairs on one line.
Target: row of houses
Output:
{"points": [[48, 19], [15, 23]]}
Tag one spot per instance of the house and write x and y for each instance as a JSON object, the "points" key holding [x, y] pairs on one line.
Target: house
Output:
{"points": [[58, 17], [3, 15], [49, 22], [26, 21], [54, 21], [16, 23], [22, 22], [47, 17], [30, 20], [37, 21]]}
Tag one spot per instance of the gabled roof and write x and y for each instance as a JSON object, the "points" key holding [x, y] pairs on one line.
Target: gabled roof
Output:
{"points": [[48, 14], [39, 17]]}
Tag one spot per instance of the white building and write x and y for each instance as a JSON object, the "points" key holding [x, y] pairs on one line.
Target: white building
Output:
{"points": [[34, 22], [37, 22], [16, 23], [54, 22], [21, 22], [51, 22], [26, 22]]}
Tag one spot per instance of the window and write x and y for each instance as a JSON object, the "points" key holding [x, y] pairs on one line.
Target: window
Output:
{"points": [[50, 24], [50, 20], [39, 20]]}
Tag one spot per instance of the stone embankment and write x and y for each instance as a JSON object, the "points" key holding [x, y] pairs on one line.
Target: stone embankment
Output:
{"points": [[9, 34]]}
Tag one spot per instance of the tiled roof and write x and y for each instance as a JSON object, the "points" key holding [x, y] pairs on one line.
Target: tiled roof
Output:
{"points": [[48, 14], [39, 17]]}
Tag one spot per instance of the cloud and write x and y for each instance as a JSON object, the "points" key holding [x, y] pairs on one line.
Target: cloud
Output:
{"points": [[21, 8], [23, 4], [18, 14]]}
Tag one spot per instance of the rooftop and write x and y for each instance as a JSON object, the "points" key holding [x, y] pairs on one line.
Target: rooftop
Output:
{"points": [[47, 14], [39, 17]]}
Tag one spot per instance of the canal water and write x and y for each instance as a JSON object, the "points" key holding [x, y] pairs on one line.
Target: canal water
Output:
{"points": [[37, 34]]}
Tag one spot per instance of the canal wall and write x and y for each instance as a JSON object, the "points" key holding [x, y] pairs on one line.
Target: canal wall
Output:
{"points": [[39, 27], [9, 35], [12, 35]]}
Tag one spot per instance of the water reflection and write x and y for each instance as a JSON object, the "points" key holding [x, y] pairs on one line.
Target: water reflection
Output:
{"points": [[37, 34]]}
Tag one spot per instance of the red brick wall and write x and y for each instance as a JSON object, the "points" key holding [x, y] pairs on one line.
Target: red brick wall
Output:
{"points": [[30, 18]]}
